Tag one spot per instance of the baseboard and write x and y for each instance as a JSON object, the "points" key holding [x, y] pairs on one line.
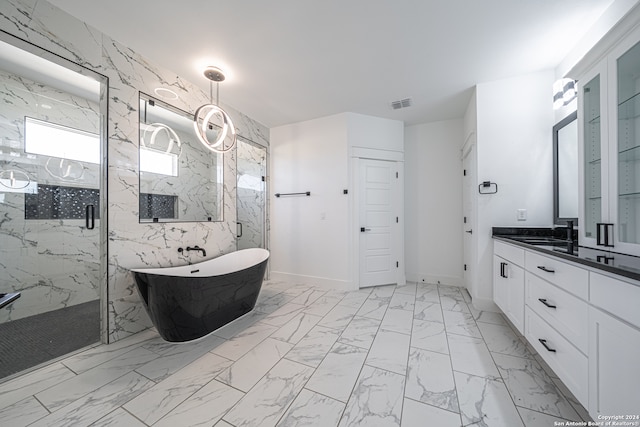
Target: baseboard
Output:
{"points": [[322, 282], [438, 280]]}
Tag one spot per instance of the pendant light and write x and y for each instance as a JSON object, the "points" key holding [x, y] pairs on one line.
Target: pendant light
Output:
{"points": [[206, 112]]}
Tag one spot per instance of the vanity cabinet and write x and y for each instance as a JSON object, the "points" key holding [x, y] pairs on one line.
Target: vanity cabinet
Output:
{"points": [[508, 282], [609, 135]]}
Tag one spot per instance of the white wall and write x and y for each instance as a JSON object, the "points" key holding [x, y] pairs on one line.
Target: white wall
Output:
{"points": [[433, 202], [514, 145], [309, 234]]}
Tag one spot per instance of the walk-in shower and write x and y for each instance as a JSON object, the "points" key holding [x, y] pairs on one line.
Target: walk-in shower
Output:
{"points": [[52, 205]]}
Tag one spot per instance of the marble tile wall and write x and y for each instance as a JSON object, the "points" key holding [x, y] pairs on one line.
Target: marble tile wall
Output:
{"points": [[130, 244], [55, 263]]}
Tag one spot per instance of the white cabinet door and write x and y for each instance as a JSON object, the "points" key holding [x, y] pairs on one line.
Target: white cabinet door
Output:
{"points": [[508, 290], [614, 370]]}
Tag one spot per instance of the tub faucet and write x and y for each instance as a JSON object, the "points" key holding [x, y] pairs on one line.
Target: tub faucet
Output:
{"points": [[197, 248]]}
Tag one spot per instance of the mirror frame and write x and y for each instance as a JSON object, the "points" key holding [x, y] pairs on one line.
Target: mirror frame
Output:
{"points": [[557, 220]]}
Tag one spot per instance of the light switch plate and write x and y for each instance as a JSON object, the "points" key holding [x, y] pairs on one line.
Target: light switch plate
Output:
{"points": [[521, 214]]}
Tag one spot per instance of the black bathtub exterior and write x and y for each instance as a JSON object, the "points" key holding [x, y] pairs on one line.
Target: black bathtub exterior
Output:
{"points": [[187, 308]]}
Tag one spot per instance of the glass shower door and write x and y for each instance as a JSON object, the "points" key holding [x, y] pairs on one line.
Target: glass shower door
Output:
{"points": [[251, 200], [51, 181]]}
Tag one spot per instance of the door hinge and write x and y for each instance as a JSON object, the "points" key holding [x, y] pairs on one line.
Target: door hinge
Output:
{"points": [[396, 220], [465, 267], [464, 172], [396, 174], [397, 264], [264, 178], [464, 219]]}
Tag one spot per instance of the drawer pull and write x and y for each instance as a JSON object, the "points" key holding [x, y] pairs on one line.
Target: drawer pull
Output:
{"points": [[544, 301], [503, 271], [548, 270], [544, 343]]}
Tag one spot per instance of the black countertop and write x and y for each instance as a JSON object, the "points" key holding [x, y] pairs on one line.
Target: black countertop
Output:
{"points": [[553, 242]]}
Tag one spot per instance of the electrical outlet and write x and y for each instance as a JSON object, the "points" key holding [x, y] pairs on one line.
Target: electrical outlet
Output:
{"points": [[521, 214]]}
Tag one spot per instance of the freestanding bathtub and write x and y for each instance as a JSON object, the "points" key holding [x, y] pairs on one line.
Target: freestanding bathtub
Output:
{"points": [[191, 301]]}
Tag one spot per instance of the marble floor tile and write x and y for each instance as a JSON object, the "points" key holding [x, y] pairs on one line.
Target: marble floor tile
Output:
{"points": [[453, 304], [177, 357], [270, 305], [96, 405], [311, 349], [294, 330], [382, 291], [270, 398], [485, 402], [308, 297], [23, 413], [74, 388], [339, 317], [466, 296], [376, 400], [283, 315], [532, 388], [204, 408], [322, 306], [486, 316], [582, 412], [159, 400], [360, 332], [538, 419], [402, 301], [118, 418], [409, 289], [389, 351], [501, 339], [239, 345], [355, 299], [232, 329], [428, 310], [427, 292], [312, 410], [338, 372], [248, 370], [374, 308], [430, 380], [91, 358], [457, 322], [416, 414], [398, 321], [19, 388], [222, 423], [429, 336], [450, 291], [471, 355]]}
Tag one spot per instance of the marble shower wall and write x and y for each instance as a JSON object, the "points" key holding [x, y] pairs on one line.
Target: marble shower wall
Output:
{"points": [[130, 244], [251, 194], [55, 263]]}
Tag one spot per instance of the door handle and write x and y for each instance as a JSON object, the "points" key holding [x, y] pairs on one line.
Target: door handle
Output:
{"points": [[602, 234], [90, 218], [469, 231], [503, 270], [6, 299], [240, 224], [362, 229]]}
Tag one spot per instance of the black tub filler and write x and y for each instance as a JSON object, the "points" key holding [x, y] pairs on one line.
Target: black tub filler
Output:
{"points": [[191, 301]]}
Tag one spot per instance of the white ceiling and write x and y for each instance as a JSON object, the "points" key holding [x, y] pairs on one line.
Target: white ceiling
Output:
{"points": [[295, 60]]}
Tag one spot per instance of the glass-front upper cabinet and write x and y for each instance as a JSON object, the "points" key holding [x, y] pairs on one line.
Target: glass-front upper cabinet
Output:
{"points": [[628, 146], [609, 133]]}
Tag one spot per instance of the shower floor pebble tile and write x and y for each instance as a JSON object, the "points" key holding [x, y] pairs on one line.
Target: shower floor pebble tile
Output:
{"points": [[406, 356]]}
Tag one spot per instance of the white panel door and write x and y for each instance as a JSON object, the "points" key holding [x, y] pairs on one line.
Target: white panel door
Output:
{"points": [[379, 196]]}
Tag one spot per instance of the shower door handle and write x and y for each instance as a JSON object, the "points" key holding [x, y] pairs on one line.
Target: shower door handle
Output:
{"points": [[240, 224], [90, 217], [6, 299]]}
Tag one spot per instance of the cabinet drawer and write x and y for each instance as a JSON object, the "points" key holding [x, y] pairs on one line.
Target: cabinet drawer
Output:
{"points": [[572, 279], [509, 252], [615, 296], [567, 362], [567, 313]]}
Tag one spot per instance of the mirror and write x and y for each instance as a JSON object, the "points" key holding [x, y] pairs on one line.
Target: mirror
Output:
{"points": [[180, 179], [565, 170]]}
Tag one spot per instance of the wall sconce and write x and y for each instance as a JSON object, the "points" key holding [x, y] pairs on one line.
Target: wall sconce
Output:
{"points": [[564, 91]]}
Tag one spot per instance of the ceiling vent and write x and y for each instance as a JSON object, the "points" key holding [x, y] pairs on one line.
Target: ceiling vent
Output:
{"points": [[403, 103]]}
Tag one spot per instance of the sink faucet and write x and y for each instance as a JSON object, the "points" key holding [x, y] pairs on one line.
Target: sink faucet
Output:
{"points": [[197, 248], [570, 230]]}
